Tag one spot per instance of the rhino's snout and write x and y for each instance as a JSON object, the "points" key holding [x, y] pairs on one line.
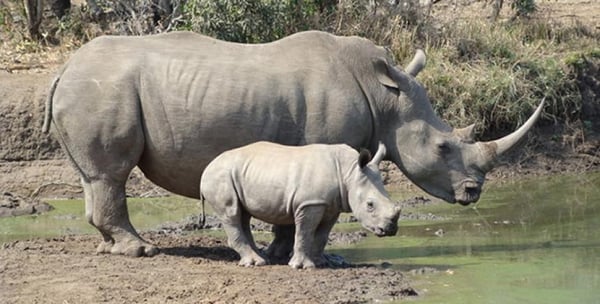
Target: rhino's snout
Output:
{"points": [[388, 230], [468, 192]]}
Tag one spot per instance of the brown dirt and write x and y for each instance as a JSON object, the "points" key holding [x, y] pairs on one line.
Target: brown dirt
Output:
{"points": [[190, 270], [203, 269]]}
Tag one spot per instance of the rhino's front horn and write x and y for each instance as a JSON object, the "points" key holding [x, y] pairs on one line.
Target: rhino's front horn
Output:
{"points": [[500, 146]]}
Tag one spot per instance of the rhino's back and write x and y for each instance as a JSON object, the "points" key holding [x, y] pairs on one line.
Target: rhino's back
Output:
{"points": [[312, 49]]}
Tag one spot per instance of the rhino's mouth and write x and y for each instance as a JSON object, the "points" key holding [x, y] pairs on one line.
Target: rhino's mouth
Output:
{"points": [[388, 231], [468, 192]]}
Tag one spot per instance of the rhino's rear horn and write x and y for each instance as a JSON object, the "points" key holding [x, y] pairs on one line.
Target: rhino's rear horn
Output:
{"points": [[466, 134], [417, 64], [379, 155]]}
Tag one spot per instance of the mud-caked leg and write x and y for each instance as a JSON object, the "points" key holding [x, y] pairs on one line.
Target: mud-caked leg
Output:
{"points": [[106, 209], [282, 245], [307, 219]]}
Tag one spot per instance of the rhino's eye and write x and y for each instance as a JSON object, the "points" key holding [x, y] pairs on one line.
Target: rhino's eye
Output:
{"points": [[444, 149], [370, 206]]}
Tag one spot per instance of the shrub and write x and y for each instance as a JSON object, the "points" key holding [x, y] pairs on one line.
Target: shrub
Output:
{"points": [[495, 75]]}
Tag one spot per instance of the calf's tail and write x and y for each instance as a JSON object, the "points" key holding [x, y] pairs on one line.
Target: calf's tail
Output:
{"points": [[202, 220]]}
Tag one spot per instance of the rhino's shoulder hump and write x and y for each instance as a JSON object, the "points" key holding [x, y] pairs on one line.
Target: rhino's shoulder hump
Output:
{"points": [[145, 42], [181, 36]]}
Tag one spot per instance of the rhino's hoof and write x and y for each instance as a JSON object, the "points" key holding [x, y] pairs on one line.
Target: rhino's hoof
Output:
{"points": [[134, 249], [104, 247], [249, 261], [301, 263]]}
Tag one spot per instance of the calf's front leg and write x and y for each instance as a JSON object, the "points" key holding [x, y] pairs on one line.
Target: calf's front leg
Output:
{"points": [[307, 218], [321, 238]]}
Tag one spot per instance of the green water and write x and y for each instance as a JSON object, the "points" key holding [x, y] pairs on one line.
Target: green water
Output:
{"points": [[536, 241], [68, 217]]}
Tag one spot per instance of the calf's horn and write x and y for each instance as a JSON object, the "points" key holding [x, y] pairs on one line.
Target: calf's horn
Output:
{"points": [[500, 146]]}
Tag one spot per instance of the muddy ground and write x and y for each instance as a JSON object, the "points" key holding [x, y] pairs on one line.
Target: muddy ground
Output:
{"points": [[189, 270], [202, 269]]}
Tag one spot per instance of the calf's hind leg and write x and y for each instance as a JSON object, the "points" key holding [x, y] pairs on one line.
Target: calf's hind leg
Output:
{"points": [[237, 226]]}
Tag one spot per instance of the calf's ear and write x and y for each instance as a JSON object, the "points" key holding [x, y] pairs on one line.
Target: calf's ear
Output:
{"points": [[364, 157]]}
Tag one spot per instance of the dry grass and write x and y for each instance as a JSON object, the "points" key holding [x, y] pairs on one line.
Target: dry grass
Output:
{"points": [[495, 74]]}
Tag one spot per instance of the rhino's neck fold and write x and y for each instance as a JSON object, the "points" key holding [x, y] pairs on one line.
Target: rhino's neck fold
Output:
{"points": [[372, 142]]}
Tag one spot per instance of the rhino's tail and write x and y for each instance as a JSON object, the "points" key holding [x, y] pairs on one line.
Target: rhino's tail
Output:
{"points": [[202, 220], [48, 111]]}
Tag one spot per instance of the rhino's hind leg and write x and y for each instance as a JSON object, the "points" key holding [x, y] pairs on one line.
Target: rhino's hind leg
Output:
{"points": [[106, 209], [239, 236]]}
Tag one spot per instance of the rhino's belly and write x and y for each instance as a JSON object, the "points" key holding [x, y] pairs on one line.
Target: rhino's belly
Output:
{"points": [[180, 175], [272, 211]]}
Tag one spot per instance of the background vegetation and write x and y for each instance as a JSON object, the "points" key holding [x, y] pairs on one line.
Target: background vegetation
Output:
{"points": [[482, 70]]}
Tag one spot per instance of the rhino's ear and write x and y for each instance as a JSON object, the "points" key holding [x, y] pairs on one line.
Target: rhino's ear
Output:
{"points": [[364, 157], [390, 76], [383, 73]]}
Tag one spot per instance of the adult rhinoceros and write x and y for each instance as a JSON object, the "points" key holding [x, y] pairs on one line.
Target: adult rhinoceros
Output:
{"points": [[171, 103]]}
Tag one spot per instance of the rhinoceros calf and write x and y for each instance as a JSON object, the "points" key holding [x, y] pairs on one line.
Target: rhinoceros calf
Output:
{"points": [[307, 186]]}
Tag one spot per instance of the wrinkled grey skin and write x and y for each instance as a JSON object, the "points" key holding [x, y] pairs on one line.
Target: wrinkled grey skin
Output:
{"points": [[171, 103], [306, 186]]}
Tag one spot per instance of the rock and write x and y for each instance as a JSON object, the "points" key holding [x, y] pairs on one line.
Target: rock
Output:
{"points": [[15, 205]]}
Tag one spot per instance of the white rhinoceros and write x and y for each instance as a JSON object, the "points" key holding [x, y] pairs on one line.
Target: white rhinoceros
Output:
{"points": [[171, 103], [306, 186]]}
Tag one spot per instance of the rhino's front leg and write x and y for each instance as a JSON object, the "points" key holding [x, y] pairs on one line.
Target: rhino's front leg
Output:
{"points": [[321, 238], [307, 219]]}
